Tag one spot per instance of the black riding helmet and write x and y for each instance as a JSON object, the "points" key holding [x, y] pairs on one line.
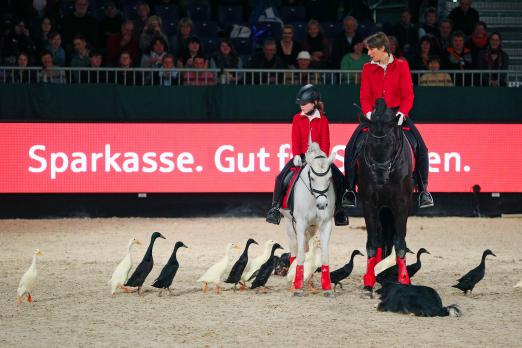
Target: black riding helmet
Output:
{"points": [[307, 93]]}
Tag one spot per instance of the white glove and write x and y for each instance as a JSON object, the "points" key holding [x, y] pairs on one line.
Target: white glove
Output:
{"points": [[298, 162], [369, 115], [400, 115]]}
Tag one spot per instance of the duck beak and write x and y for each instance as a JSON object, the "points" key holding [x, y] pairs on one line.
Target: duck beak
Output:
{"points": [[39, 253], [184, 246], [137, 242], [161, 236], [493, 254], [427, 252]]}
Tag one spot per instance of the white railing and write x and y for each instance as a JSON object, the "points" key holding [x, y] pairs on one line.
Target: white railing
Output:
{"points": [[208, 77]]}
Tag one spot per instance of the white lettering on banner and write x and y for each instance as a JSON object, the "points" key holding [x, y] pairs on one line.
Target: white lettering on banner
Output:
{"points": [[226, 162], [435, 160], [78, 162], [338, 157], [230, 161], [283, 155], [263, 155]]}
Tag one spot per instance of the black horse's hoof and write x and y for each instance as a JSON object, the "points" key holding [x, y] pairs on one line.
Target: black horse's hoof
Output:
{"points": [[298, 293], [367, 292]]}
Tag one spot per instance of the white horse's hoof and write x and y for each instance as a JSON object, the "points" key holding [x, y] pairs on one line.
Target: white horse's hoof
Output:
{"points": [[299, 293], [329, 294]]}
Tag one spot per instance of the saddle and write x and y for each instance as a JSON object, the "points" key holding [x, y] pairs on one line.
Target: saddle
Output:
{"points": [[288, 187]]}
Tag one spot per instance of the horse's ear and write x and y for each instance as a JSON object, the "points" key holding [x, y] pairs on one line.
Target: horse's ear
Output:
{"points": [[331, 158]]}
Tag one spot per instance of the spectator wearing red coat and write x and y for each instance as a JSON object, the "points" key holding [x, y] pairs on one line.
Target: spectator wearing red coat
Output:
{"points": [[125, 41]]}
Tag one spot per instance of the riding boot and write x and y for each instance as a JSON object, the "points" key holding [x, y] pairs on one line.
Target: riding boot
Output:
{"points": [[340, 217], [350, 153], [425, 198], [273, 215]]}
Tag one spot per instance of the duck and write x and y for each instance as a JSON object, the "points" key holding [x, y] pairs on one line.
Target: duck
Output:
{"points": [[28, 280], [468, 281], [266, 269], [215, 272], [145, 266], [343, 272], [418, 300], [121, 272], [311, 263], [234, 276], [282, 264], [391, 274], [254, 265], [168, 272]]}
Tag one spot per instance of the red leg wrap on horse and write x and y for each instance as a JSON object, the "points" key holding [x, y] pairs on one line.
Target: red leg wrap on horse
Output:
{"points": [[299, 274], [292, 258], [403, 271], [325, 277], [369, 277]]}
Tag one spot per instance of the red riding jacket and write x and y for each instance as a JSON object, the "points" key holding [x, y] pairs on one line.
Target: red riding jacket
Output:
{"points": [[394, 85], [302, 129]]}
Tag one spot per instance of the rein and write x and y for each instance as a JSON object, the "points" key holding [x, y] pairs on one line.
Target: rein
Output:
{"points": [[387, 165], [310, 188]]}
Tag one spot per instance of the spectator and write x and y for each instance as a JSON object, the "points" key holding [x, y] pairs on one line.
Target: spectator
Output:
{"points": [[111, 22], [23, 75], [95, 63], [124, 41], [226, 57], [80, 55], [267, 59], [464, 17], [168, 77], [303, 77], [287, 48], [317, 44], [345, 41], [355, 61], [494, 58], [199, 78], [49, 74], [41, 38], [418, 9], [154, 57], [458, 57], [151, 30], [143, 12], [478, 41], [394, 47], [80, 23], [193, 49], [421, 58], [55, 47], [435, 78], [16, 41], [430, 25], [180, 41], [445, 31], [406, 33], [127, 76]]}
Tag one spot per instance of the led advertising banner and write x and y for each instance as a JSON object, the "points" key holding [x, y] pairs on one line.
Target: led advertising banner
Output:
{"points": [[225, 157]]}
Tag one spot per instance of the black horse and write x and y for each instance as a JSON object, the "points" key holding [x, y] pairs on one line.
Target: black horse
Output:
{"points": [[384, 170]]}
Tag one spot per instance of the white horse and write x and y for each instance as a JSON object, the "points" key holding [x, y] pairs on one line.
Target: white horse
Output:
{"points": [[314, 205]]}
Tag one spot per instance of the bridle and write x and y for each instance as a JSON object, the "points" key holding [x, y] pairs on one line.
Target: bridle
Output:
{"points": [[387, 165], [315, 192]]}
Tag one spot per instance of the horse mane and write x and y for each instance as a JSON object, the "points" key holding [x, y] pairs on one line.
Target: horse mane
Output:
{"points": [[314, 150]]}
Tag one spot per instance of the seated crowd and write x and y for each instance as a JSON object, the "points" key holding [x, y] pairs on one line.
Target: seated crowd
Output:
{"points": [[148, 34]]}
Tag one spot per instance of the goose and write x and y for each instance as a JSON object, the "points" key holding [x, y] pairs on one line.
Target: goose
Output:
{"points": [[234, 276], [266, 269], [142, 271], [121, 272], [419, 300], [468, 281], [215, 272], [168, 272], [343, 272], [28, 281], [254, 265], [391, 274]]}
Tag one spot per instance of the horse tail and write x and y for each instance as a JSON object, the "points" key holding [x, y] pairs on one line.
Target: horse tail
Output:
{"points": [[388, 231]]}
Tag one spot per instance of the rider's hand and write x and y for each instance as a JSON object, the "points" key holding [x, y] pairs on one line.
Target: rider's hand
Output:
{"points": [[298, 162], [400, 116], [369, 115]]}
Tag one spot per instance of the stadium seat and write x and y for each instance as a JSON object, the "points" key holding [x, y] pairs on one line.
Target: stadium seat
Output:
{"points": [[130, 9], [299, 31], [205, 29], [293, 13], [210, 45], [227, 14], [199, 13], [262, 30], [167, 13], [170, 28], [331, 29], [243, 47]]}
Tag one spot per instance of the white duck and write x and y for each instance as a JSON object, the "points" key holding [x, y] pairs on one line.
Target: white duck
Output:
{"points": [[312, 261], [254, 265], [121, 273], [28, 281], [215, 272]]}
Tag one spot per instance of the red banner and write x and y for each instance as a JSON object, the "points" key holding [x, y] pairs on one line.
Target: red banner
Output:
{"points": [[115, 157]]}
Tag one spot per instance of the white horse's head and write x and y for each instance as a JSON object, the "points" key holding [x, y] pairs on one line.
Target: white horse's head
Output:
{"points": [[319, 174]]}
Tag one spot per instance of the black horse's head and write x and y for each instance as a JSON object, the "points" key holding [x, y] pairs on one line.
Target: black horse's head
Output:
{"points": [[383, 120]]}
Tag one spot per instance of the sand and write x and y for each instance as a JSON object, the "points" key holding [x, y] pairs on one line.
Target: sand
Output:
{"points": [[73, 306]]}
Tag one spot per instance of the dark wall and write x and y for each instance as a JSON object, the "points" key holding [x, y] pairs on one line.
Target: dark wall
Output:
{"points": [[225, 103]]}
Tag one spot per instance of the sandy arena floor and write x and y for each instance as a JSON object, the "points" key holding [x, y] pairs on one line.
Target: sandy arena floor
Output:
{"points": [[73, 306]]}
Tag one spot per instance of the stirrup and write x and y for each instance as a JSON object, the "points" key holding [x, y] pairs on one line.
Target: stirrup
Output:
{"points": [[273, 215], [425, 200], [340, 218], [349, 199]]}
